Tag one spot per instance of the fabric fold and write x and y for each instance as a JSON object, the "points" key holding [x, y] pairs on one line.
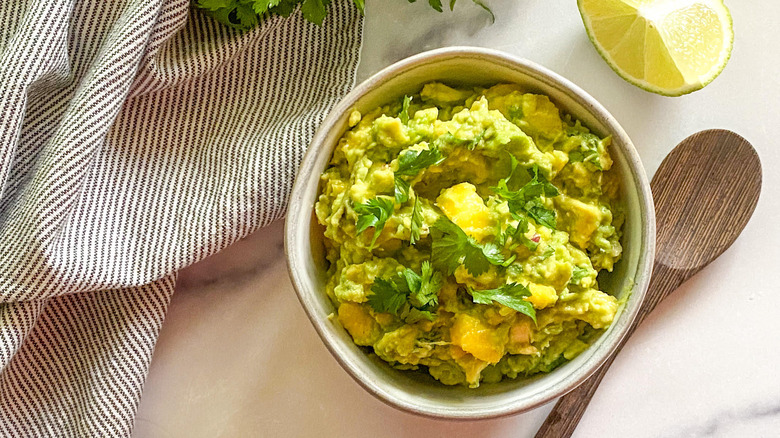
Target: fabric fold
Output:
{"points": [[136, 138]]}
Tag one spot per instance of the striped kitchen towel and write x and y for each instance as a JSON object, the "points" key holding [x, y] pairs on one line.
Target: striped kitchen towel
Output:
{"points": [[136, 137]]}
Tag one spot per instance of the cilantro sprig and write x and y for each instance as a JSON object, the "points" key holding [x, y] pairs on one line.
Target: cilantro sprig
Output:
{"points": [[452, 247], [516, 235], [408, 295], [511, 295], [528, 199], [410, 163], [245, 14], [373, 213]]}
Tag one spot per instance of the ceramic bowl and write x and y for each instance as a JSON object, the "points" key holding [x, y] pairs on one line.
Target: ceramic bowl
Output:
{"points": [[414, 391]]}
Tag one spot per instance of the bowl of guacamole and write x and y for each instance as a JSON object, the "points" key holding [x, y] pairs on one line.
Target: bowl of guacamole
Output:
{"points": [[470, 234]]}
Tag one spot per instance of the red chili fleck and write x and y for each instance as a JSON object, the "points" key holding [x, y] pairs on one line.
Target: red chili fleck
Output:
{"points": [[536, 238]]}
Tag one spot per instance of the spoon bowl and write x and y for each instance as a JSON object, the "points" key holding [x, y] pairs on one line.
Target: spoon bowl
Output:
{"points": [[705, 192]]}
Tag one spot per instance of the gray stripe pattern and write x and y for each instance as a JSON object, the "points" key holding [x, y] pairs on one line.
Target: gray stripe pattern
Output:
{"points": [[136, 138]]}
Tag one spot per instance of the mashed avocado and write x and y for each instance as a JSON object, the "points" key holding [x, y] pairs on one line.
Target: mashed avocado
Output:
{"points": [[465, 229]]}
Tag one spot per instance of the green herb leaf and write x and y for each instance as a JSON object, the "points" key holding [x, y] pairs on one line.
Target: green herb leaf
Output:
{"points": [[511, 295], [404, 114], [245, 14], [452, 247], [373, 213], [578, 273], [417, 219], [387, 297], [427, 294], [485, 7], [528, 198], [407, 294], [401, 190], [410, 163], [315, 10], [517, 234], [588, 151]]}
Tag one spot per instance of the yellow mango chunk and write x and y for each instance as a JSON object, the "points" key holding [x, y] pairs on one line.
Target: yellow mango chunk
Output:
{"points": [[542, 296], [474, 337], [358, 323], [465, 208]]}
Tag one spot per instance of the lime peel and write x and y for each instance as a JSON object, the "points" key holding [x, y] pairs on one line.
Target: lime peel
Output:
{"points": [[668, 47]]}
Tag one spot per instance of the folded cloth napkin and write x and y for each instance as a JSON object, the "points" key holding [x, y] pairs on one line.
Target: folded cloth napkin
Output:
{"points": [[136, 137]]}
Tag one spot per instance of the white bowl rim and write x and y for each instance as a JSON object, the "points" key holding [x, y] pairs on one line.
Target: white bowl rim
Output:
{"points": [[307, 171]]}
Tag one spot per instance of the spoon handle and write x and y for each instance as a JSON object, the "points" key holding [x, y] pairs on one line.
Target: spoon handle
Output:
{"points": [[566, 414]]}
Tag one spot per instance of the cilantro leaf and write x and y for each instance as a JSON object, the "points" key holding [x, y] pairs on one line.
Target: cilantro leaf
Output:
{"points": [[452, 247], [483, 6], [387, 297], [400, 190], [416, 221], [578, 273], [373, 213], [528, 198], [407, 294], [410, 163], [404, 114], [511, 295], [588, 151], [517, 234], [245, 14], [315, 10], [541, 214], [427, 294]]}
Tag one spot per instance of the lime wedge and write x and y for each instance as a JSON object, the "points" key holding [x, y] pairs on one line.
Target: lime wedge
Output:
{"points": [[669, 47]]}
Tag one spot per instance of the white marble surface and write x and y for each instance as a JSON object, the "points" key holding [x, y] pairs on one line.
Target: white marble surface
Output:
{"points": [[237, 356]]}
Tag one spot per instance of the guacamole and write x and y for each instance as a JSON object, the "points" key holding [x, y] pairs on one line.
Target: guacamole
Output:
{"points": [[464, 230]]}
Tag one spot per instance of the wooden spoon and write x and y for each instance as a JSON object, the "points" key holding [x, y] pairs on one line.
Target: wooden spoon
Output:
{"points": [[705, 192]]}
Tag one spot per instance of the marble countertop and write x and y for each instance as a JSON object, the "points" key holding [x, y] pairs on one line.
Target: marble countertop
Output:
{"points": [[238, 357]]}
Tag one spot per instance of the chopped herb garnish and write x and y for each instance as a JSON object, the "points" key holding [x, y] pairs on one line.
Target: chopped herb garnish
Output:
{"points": [[410, 163], [416, 221], [404, 114], [453, 247], [427, 294], [588, 151], [407, 294], [511, 295], [528, 199], [578, 273], [373, 213], [387, 296], [401, 190], [517, 235]]}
